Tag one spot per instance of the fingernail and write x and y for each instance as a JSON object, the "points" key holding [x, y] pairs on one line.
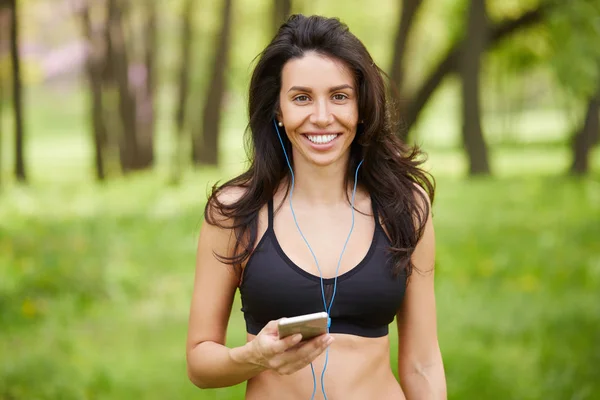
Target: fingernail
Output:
{"points": [[329, 340], [297, 337]]}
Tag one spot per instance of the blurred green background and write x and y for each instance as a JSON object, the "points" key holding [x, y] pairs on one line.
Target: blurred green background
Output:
{"points": [[99, 216]]}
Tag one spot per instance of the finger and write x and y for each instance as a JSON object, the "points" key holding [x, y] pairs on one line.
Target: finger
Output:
{"points": [[312, 351], [307, 342], [281, 345], [298, 358]]}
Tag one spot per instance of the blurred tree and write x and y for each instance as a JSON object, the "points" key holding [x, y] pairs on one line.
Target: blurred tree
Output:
{"points": [[183, 75], [94, 61], [508, 65], [586, 137], [574, 35], [205, 142], [567, 42], [469, 70], [450, 62], [146, 92], [17, 98], [3, 76], [110, 94], [408, 9], [2, 90], [119, 69], [131, 80], [281, 11]]}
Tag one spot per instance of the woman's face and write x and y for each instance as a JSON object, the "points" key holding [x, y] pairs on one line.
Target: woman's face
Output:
{"points": [[318, 108]]}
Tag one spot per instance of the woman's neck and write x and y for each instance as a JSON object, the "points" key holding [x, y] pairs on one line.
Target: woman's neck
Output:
{"points": [[320, 185]]}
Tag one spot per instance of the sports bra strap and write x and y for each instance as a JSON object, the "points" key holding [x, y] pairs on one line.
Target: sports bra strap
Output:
{"points": [[270, 213]]}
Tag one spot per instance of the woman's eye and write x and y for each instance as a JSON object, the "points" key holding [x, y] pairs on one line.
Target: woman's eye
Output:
{"points": [[302, 98], [340, 96]]}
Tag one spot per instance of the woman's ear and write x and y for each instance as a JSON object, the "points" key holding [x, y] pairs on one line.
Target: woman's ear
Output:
{"points": [[278, 118]]}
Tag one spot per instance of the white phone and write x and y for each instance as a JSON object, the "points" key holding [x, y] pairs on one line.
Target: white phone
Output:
{"points": [[309, 325]]}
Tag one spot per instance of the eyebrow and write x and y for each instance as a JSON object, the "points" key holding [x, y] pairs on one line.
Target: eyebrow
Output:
{"points": [[309, 90]]}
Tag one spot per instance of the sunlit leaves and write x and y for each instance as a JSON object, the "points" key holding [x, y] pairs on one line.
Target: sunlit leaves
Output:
{"points": [[574, 30]]}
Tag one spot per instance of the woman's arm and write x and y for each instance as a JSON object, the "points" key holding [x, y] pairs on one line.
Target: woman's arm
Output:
{"points": [[209, 363], [420, 366]]}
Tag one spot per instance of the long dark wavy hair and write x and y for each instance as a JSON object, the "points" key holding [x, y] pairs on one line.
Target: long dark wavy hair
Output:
{"points": [[390, 172]]}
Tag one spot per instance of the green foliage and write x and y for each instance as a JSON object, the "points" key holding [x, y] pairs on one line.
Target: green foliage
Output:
{"points": [[574, 29], [526, 48], [501, 10]]}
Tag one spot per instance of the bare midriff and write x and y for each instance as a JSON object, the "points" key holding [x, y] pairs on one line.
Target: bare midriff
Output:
{"points": [[358, 368]]}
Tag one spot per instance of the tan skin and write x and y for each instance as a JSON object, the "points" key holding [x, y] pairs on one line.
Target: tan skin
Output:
{"points": [[317, 97]]}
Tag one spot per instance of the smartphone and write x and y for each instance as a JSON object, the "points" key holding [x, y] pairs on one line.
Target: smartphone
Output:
{"points": [[309, 325]]}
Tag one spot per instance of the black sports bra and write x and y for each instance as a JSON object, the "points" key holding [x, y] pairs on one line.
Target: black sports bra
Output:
{"points": [[366, 301]]}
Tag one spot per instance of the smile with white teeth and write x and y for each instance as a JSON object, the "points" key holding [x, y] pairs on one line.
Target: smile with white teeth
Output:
{"points": [[321, 139]]}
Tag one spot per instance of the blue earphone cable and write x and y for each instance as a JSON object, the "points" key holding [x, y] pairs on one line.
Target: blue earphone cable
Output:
{"points": [[327, 308]]}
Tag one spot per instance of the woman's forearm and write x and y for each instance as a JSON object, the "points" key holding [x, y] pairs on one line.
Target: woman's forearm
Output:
{"points": [[212, 365], [424, 383]]}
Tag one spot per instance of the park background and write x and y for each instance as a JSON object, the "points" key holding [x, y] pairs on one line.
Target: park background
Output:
{"points": [[117, 116]]}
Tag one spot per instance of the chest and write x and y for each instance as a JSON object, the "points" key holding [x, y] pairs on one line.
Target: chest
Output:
{"points": [[327, 244], [366, 295]]}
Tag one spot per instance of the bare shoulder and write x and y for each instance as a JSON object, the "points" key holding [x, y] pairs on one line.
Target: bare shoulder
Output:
{"points": [[231, 194], [422, 197], [222, 200], [221, 216], [217, 235]]}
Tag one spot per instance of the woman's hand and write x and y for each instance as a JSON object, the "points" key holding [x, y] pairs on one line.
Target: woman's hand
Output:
{"points": [[287, 355]]}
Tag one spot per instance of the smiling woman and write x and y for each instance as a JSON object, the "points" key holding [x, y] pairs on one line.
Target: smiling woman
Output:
{"points": [[333, 215], [318, 108]]}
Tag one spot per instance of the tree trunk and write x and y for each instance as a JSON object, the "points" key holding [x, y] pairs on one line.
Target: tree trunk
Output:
{"points": [[4, 19], [408, 10], [110, 96], [17, 94], [145, 99], [470, 70], [585, 139], [2, 91], [94, 73], [187, 36], [206, 150], [281, 11], [128, 148], [2, 100], [449, 64]]}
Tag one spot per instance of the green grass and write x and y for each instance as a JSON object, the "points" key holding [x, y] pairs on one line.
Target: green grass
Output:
{"points": [[95, 289], [95, 281]]}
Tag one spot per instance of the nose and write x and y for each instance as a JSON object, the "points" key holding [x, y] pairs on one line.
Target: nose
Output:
{"points": [[321, 115]]}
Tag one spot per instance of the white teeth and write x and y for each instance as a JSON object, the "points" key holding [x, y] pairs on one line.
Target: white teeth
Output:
{"points": [[321, 139]]}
